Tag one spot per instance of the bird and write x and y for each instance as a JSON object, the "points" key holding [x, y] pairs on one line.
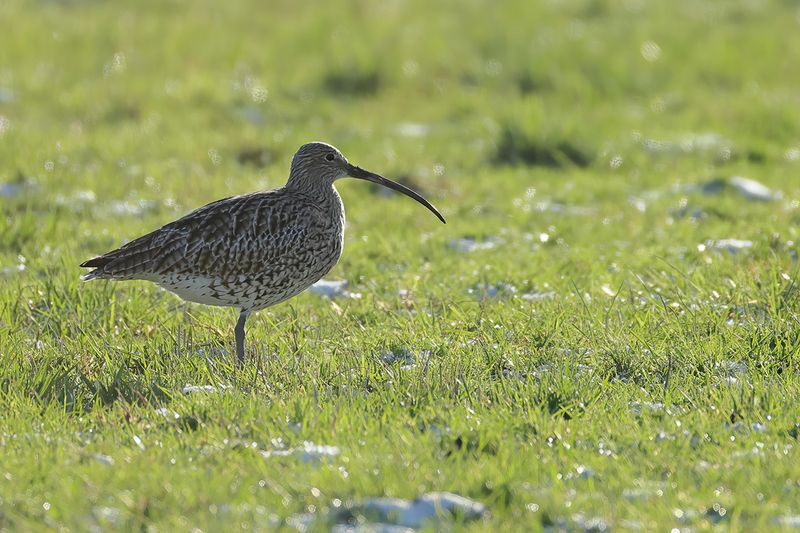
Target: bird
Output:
{"points": [[250, 251]]}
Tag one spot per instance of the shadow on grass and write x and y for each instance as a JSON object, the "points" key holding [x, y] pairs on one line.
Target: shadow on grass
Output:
{"points": [[352, 82], [517, 147]]}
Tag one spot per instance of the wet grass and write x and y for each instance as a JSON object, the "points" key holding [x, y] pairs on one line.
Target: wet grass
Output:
{"points": [[578, 348]]}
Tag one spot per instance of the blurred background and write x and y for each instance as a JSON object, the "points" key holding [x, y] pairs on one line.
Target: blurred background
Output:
{"points": [[585, 125]]}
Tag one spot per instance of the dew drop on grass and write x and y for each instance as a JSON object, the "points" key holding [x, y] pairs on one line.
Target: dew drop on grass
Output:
{"points": [[168, 414], [537, 296], [590, 524], [646, 407], [703, 143], [412, 129], [789, 521], [108, 515], [307, 453], [104, 459], [333, 289], [433, 510], [19, 267], [732, 246], [501, 289], [210, 389], [424, 511], [404, 356], [131, 207], [472, 244]]}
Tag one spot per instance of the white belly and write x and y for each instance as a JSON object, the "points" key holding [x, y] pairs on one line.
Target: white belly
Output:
{"points": [[201, 290]]}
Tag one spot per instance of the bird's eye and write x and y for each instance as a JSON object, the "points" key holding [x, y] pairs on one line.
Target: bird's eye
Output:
{"points": [[330, 157]]}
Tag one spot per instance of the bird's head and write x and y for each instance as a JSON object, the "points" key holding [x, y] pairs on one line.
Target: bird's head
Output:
{"points": [[318, 163]]}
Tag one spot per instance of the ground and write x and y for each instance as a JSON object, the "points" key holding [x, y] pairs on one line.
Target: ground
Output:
{"points": [[603, 336]]}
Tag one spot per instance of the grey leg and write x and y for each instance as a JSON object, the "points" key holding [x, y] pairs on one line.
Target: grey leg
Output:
{"points": [[239, 330]]}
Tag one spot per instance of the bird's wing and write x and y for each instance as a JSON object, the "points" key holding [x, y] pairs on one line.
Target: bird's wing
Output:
{"points": [[233, 236]]}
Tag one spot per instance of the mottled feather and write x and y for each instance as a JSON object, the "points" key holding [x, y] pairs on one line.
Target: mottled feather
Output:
{"points": [[260, 239]]}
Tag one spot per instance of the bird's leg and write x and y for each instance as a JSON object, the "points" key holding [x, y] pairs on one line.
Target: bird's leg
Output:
{"points": [[239, 331]]}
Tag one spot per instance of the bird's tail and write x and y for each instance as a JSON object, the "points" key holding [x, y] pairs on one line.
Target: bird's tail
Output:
{"points": [[97, 263]]}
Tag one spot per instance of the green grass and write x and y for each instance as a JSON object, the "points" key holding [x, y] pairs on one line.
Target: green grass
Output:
{"points": [[656, 387]]}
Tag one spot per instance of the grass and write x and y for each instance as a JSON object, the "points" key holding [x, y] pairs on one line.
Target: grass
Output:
{"points": [[647, 381]]}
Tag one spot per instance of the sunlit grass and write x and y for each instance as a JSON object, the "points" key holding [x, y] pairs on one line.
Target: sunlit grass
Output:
{"points": [[595, 360]]}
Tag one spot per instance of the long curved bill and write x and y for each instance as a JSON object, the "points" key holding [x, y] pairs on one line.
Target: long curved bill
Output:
{"points": [[357, 172]]}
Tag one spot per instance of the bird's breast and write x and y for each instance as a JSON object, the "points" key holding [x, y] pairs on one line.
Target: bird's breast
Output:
{"points": [[314, 252], [335, 223]]}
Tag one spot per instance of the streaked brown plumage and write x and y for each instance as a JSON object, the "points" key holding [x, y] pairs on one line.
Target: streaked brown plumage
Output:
{"points": [[250, 251]]}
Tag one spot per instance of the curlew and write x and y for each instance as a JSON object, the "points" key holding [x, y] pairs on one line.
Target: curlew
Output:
{"points": [[254, 250]]}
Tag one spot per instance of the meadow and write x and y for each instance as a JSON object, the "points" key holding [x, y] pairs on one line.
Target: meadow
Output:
{"points": [[604, 336]]}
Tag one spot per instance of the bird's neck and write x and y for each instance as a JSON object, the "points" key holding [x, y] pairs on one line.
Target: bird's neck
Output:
{"points": [[331, 197], [312, 186], [335, 203], [323, 194]]}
